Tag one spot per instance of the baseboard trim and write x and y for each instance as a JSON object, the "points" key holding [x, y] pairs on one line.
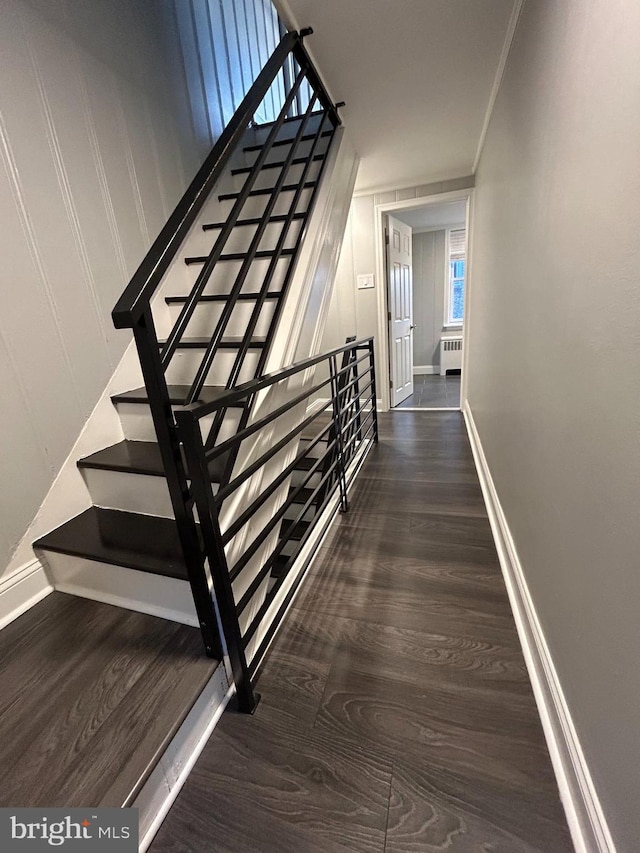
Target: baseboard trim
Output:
{"points": [[426, 369], [21, 590], [167, 778], [585, 817]]}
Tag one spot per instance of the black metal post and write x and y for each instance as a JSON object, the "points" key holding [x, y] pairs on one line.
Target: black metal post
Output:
{"points": [[168, 443], [337, 420], [189, 431], [374, 396]]}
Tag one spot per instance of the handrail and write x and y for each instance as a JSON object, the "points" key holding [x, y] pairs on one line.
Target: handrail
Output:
{"points": [[135, 309], [143, 284], [233, 395], [245, 551]]}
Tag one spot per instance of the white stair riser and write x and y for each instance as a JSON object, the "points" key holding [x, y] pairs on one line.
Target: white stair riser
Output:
{"points": [[137, 424], [240, 238], [146, 593], [128, 492], [206, 316], [269, 177], [280, 152], [185, 364], [255, 205], [224, 275], [318, 450]]}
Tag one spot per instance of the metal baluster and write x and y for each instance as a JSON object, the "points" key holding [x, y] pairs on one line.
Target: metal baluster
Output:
{"points": [[189, 430], [337, 419]]}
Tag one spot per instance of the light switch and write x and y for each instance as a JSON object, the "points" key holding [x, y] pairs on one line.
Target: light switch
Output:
{"points": [[366, 282]]}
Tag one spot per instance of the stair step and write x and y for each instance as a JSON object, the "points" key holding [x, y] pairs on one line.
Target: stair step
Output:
{"points": [[146, 543], [317, 426], [223, 297], [306, 138], [287, 188], [297, 161], [306, 464], [279, 566], [230, 342], [140, 457], [298, 531], [256, 220], [239, 256], [177, 395], [303, 495]]}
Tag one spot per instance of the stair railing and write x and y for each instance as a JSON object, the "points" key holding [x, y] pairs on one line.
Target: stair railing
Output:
{"points": [[134, 308], [321, 434]]}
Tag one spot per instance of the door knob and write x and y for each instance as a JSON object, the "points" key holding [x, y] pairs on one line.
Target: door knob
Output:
{"points": [[411, 327]]}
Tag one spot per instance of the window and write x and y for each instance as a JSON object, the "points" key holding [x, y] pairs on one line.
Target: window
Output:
{"points": [[456, 240]]}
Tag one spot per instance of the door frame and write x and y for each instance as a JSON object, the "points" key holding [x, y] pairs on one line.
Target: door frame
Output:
{"points": [[382, 341]]}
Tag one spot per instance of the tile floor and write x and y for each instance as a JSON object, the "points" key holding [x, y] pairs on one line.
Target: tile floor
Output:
{"points": [[434, 392]]}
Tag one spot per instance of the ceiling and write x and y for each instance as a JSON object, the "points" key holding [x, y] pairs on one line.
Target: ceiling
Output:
{"points": [[434, 215], [417, 77]]}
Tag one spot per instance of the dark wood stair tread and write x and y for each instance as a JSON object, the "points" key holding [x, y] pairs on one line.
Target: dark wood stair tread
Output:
{"points": [[239, 256], [147, 543], [140, 457], [280, 566], [298, 531], [306, 138], [223, 297], [287, 188], [302, 496], [177, 395], [255, 220]]}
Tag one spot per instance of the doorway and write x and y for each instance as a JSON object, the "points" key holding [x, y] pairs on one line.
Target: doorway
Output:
{"points": [[438, 228]]}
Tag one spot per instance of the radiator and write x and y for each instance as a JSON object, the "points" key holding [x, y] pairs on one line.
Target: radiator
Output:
{"points": [[450, 353]]}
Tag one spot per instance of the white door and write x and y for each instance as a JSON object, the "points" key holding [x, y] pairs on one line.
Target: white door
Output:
{"points": [[398, 237]]}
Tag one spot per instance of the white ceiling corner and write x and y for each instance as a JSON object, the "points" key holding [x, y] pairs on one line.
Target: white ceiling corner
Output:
{"points": [[419, 78]]}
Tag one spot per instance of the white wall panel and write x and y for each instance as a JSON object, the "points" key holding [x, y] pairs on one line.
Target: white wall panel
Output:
{"points": [[107, 109], [93, 154], [554, 360]]}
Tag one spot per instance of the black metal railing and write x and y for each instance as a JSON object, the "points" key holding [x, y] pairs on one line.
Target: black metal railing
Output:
{"points": [[316, 122], [303, 444]]}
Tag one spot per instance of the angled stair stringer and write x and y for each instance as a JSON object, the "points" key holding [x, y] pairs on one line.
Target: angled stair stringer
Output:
{"points": [[299, 335], [305, 311]]}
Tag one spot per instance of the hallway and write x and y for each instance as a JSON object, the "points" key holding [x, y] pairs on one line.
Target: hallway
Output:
{"points": [[396, 710]]}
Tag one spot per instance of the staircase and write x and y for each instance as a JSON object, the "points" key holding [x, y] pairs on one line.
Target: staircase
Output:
{"points": [[204, 308]]}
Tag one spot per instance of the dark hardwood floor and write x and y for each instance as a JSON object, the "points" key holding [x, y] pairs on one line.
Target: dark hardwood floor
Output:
{"points": [[396, 710], [90, 696]]}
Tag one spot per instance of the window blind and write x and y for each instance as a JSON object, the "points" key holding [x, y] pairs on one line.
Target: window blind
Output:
{"points": [[457, 240]]}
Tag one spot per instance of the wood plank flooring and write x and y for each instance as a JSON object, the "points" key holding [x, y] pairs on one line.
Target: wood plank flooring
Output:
{"points": [[396, 710], [90, 696]]}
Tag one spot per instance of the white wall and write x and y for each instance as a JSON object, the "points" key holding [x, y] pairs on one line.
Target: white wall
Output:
{"points": [[429, 264], [554, 366], [96, 145]]}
